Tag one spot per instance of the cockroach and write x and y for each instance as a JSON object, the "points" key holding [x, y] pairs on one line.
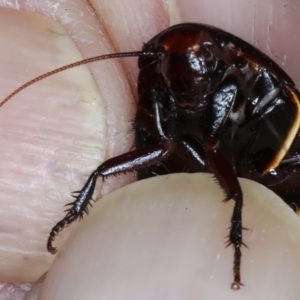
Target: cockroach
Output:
{"points": [[208, 102]]}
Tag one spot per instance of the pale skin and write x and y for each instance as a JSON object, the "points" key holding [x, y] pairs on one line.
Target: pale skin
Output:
{"points": [[123, 29]]}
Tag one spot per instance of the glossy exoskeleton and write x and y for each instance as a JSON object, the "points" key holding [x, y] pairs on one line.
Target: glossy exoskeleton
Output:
{"points": [[208, 102]]}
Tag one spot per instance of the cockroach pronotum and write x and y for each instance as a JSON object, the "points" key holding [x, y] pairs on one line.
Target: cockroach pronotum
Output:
{"points": [[208, 102]]}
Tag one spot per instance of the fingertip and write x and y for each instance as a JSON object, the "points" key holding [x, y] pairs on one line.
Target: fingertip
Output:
{"points": [[163, 238]]}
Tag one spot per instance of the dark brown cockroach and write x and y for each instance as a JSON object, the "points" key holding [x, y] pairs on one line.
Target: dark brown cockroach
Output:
{"points": [[208, 102]]}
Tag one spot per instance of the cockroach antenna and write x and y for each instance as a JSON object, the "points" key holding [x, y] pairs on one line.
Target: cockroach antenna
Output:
{"points": [[76, 64]]}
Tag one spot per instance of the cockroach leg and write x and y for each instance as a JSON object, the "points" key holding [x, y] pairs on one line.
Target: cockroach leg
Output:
{"points": [[128, 162]]}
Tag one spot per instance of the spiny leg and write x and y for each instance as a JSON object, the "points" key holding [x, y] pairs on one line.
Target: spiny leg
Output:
{"points": [[235, 238], [127, 162], [228, 181], [78, 207]]}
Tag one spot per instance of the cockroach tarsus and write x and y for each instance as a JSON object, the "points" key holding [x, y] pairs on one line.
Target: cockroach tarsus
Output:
{"points": [[208, 102]]}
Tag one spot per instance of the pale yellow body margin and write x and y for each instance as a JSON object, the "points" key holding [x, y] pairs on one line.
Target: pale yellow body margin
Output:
{"points": [[289, 138]]}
